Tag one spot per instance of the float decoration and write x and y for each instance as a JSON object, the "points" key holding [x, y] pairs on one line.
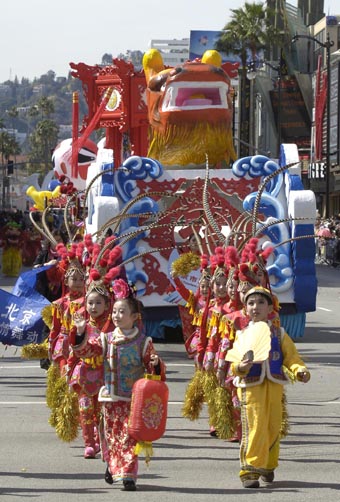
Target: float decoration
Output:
{"points": [[222, 202], [43, 197], [190, 111]]}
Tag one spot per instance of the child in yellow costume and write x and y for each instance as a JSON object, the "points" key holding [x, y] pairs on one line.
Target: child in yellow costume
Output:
{"points": [[259, 389]]}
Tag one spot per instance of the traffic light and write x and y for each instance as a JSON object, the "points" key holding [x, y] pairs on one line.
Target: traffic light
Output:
{"points": [[10, 167]]}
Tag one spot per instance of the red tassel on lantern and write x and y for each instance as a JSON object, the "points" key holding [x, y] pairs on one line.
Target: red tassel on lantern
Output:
{"points": [[148, 413]]}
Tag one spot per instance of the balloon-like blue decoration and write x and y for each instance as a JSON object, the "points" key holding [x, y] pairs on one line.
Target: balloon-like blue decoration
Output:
{"points": [[53, 184]]}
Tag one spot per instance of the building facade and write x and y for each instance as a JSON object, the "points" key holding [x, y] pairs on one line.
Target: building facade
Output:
{"points": [[174, 52]]}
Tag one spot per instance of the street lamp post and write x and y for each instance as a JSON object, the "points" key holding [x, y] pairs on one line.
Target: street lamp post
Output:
{"points": [[326, 45]]}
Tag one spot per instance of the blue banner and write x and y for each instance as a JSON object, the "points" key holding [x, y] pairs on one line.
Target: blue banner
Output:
{"points": [[20, 311]]}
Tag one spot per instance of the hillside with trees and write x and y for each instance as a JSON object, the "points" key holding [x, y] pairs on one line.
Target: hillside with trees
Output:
{"points": [[39, 112]]}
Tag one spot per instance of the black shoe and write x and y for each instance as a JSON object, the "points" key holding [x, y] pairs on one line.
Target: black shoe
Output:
{"points": [[268, 478], [129, 485], [45, 364], [108, 476]]}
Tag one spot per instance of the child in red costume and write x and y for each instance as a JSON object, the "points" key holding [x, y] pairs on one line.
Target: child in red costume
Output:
{"points": [[86, 375], [216, 308], [195, 302], [63, 308], [71, 269]]}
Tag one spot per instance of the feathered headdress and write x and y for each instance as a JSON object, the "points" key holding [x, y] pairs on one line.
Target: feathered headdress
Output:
{"points": [[253, 261], [102, 264], [232, 260], [218, 263], [205, 269], [247, 275], [71, 259]]}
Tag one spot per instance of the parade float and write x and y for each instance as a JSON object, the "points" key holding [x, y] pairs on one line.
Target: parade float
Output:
{"points": [[166, 169]]}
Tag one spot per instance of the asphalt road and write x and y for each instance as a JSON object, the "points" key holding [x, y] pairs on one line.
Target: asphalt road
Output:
{"points": [[188, 464]]}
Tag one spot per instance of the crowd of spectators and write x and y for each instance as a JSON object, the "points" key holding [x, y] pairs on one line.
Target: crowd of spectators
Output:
{"points": [[30, 241], [328, 240]]}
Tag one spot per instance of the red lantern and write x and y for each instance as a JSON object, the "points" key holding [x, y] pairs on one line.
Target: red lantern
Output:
{"points": [[149, 406]]}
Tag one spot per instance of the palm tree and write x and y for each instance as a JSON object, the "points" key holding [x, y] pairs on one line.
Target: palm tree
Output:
{"points": [[8, 146], [44, 137], [46, 106], [43, 140], [249, 31]]}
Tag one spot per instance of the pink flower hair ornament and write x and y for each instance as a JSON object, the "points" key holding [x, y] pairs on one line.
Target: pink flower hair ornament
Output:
{"points": [[120, 289]]}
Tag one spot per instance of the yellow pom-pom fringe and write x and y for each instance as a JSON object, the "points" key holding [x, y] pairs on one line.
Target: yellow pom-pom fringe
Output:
{"points": [[221, 409], [53, 375], [210, 384], [285, 417], [47, 316], [185, 264], [57, 396], [194, 397], [144, 447], [35, 351], [67, 416]]}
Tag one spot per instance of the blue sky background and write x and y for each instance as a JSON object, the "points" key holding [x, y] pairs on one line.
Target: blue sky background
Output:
{"points": [[37, 35]]}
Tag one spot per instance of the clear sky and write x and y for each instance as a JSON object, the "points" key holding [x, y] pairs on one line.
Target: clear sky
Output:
{"points": [[39, 35]]}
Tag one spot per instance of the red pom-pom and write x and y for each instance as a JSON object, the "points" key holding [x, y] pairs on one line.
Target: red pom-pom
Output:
{"points": [[112, 273], [114, 255], [95, 275], [88, 239], [204, 261], [220, 260], [232, 257], [60, 246], [266, 253], [219, 250]]}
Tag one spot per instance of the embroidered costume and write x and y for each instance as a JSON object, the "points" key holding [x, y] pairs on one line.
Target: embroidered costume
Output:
{"points": [[126, 358]]}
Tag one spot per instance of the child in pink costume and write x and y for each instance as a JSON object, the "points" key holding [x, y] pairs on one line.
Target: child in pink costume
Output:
{"points": [[127, 355], [86, 375]]}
